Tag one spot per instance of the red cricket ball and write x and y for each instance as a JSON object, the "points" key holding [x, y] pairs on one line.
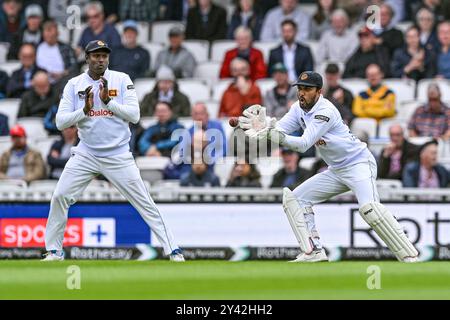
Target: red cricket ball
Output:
{"points": [[234, 121]]}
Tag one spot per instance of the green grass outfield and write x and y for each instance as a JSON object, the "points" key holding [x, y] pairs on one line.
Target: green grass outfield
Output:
{"points": [[223, 280]]}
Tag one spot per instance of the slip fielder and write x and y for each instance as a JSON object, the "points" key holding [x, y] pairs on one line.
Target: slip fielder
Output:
{"points": [[351, 166], [101, 102]]}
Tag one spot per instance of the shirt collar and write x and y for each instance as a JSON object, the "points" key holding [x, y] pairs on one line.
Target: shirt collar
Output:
{"points": [[106, 74], [314, 108], [292, 48]]}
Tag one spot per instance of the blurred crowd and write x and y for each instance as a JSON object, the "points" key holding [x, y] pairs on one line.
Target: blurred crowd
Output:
{"points": [[350, 45]]}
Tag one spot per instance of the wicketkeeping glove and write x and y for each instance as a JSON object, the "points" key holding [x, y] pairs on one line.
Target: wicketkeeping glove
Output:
{"points": [[255, 122]]}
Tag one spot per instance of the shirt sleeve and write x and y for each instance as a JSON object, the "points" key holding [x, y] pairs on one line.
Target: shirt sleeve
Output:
{"points": [[129, 111], [320, 124], [289, 122], [67, 115]]}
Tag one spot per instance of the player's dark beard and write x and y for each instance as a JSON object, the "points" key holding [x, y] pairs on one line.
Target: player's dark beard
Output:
{"points": [[306, 106]]}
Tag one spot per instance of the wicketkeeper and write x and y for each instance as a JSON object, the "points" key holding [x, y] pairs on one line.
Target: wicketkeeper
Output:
{"points": [[351, 166]]}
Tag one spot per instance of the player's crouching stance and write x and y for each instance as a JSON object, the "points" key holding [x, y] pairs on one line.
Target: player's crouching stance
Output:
{"points": [[101, 103], [351, 166]]}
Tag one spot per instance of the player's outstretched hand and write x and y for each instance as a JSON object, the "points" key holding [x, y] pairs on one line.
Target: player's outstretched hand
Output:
{"points": [[88, 99], [104, 93]]}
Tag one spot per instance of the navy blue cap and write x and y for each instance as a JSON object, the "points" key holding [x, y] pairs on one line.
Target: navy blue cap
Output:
{"points": [[97, 45], [309, 79]]}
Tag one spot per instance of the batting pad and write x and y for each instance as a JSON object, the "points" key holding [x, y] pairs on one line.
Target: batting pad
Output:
{"points": [[388, 229], [295, 215]]}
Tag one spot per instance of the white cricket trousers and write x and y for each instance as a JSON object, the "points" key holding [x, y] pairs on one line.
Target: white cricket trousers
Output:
{"points": [[359, 178], [122, 172]]}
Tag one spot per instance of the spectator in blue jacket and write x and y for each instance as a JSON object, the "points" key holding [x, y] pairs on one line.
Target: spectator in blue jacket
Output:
{"points": [[426, 173], [11, 21], [131, 58], [246, 15], [50, 120], [4, 127], [156, 140], [98, 28]]}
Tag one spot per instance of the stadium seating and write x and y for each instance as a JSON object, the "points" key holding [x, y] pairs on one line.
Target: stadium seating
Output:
{"points": [[267, 167], [368, 125], [213, 108], [355, 85], [219, 88], [265, 47], [13, 190], [43, 145], [385, 124], [405, 110], [404, 90], [307, 163], [219, 48], [144, 86], [4, 47], [10, 66], [208, 71], [265, 85], [422, 88], [10, 107], [199, 49], [41, 190], [195, 89], [223, 168], [5, 143], [146, 122], [153, 48], [63, 34], [34, 127]]}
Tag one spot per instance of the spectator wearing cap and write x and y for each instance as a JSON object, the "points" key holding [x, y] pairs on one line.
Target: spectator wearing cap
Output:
{"points": [[388, 36], [396, 154], [432, 119], [245, 50], [56, 57], [60, 151], [337, 94], [11, 20], [4, 126], [290, 175], [20, 161], [20, 80], [241, 93], [427, 172], [443, 58], [176, 56], [279, 99], [166, 90], [97, 28], [378, 101], [32, 32], [338, 43], [413, 61], [295, 56], [367, 53], [146, 11], [131, 58], [287, 10], [425, 21], [206, 21], [245, 15], [37, 102], [156, 140]]}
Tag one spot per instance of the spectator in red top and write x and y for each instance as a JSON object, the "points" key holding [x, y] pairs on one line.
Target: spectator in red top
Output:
{"points": [[244, 50], [242, 93]]}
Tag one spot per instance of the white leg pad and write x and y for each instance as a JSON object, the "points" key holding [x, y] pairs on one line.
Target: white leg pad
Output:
{"points": [[295, 215], [388, 229]]}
